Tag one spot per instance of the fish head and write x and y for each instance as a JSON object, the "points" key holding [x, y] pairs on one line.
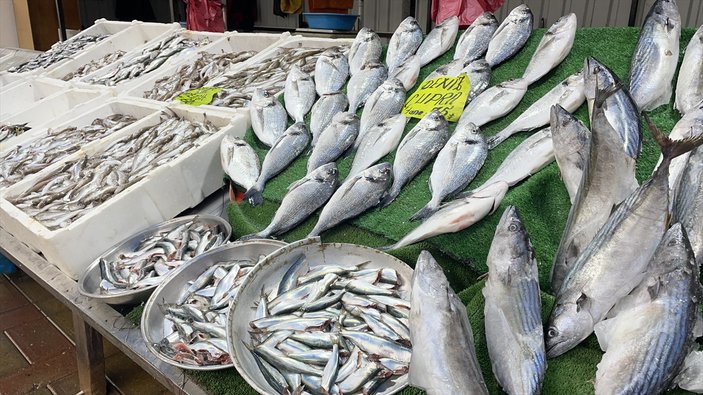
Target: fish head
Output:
{"points": [[666, 15], [468, 133], [560, 118], [569, 323], [428, 277], [326, 174], [392, 86], [486, 19], [594, 71], [563, 24], [511, 241], [520, 14], [409, 25], [478, 66], [261, 97], [380, 173], [366, 34], [345, 118], [434, 120]]}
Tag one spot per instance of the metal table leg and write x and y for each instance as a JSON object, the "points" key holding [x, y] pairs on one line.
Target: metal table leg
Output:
{"points": [[90, 357]]}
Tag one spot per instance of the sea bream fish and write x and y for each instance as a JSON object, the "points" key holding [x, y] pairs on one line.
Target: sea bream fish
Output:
{"points": [[268, 117], [365, 49], [364, 82], [479, 73], [552, 49], [656, 56], [572, 145], [689, 86], [331, 71], [403, 44], [339, 136], [323, 110], [407, 72], [473, 43], [239, 161], [494, 102], [387, 100], [438, 40], [510, 36], [299, 94], [378, 142], [688, 202]]}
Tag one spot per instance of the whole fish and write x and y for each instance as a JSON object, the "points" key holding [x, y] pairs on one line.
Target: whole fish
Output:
{"points": [[510, 36], [620, 110], [339, 135], [494, 102], [656, 56], [572, 146], [354, 196], [289, 146], [331, 71], [688, 202], [456, 215], [303, 198], [615, 260], [473, 43], [403, 44], [365, 49], [440, 331], [239, 161], [268, 117], [552, 49], [451, 69], [513, 309], [61, 50], [323, 110], [416, 150], [383, 103], [568, 94], [689, 86], [407, 72], [439, 40], [378, 142], [647, 342], [479, 73], [299, 94], [364, 82], [456, 165]]}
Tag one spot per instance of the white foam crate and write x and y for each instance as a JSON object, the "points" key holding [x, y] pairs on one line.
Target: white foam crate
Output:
{"points": [[9, 80], [24, 94], [161, 195]]}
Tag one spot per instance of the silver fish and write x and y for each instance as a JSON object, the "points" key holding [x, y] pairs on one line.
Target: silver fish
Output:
{"points": [[440, 331], [378, 142], [689, 86], [331, 71], [572, 142], [354, 196], [552, 49], [688, 202], [61, 50], [365, 49], [479, 73], [339, 135], [494, 102], [510, 36], [289, 146], [239, 161], [323, 110], [383, 103], [451, 69], [416, 150], [364, 82], [439, 40], [656, 56], [513, 309], [473, 43], [299, 94], [403, 44], [690, 378], [268, 117], [407, 72]]}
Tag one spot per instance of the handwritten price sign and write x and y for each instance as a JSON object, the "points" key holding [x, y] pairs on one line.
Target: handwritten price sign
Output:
{"points": [[446, 94], [198, 97]]}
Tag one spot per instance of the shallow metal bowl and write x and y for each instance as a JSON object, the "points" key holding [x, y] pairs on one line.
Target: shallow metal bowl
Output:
{"points": [[89, 282], [268, 273], [152, 325]]}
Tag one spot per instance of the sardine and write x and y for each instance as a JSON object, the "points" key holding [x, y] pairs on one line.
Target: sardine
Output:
{"points": [[299, 94], [473, 43], [403, 44], [268, 117], [572, 142], [689, 86], [365, 49], [552, 49], [323, 110], [331, 71], [383, 103], [439, 40], [239, 161], [339, 135], [510, 36], [379, 141], [688, 202], [364, 82], [494, 102], [407, 72]]}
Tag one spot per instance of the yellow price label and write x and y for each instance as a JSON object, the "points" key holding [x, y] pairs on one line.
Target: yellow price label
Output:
{"points": [[199, 96], [446, 94]]}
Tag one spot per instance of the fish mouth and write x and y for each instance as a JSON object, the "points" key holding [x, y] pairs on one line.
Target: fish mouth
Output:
{"points": [[555, 349]]}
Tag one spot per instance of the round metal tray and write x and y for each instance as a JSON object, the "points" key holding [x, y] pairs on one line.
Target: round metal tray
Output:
{"points": [[89, 282], [152, 324], [267, 275]]}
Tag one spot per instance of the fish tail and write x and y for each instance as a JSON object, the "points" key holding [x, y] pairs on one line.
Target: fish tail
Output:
{"points": [[672, 148], [389, 198], [496, 139], [254, 196], [429, 209], [603, 94], [252, 236], [388, 247]]}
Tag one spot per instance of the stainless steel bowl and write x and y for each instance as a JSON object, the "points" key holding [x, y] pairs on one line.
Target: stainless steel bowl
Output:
{"points": [[171, 289], [89, 282], [267, 275]]}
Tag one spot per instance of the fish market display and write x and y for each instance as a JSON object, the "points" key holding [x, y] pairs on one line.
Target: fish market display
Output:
{"points": [[60, 51], [239, 161], [150, 59], [473, 43], [268, 117], [478, 71], [94, 65], [439, 40], [689, 86], [656, 56], [332, 329], [331, 71], [324, 110], [196, 74], [356, 195], [289, 146], [494, 102], [513, 309], [9, 131], [444, 358], [568, 94], [510, 36], [383, 103], [455, 167], [688, 202], [572, 146], [647, 341], [379, 141], [451, 69], [67, 193], [364, 82], [416, 150], [552, 49], [34, 156], [304, 197], [157, 255], [405, 41], [299, 94], [690, 125], [407, 72], [615, 261], [365, 49], [334, 140]]}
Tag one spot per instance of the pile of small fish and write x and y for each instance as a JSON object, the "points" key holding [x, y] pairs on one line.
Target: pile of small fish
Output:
{"points": [[62, 50], [33, 157], [195, 75], [156, 256], [150, 59], [94, 65], [332, 329], [64, 195], [8, 131]]}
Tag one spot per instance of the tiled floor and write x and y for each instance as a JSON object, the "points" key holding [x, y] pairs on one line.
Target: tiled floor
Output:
{"points": [[37, 351]]}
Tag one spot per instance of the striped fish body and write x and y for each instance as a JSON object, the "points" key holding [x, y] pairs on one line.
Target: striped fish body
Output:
{"points": [[688, 202]]}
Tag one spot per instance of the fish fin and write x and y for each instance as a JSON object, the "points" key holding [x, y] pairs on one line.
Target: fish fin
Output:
{"points": [[254, 196], [671, 148], [603, 94], [388, 199], [583, 302], [296, 184], [424, 212], [604, 332]]}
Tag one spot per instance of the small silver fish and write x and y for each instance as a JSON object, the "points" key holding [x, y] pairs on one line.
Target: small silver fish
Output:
{"points": [[510, 36]]}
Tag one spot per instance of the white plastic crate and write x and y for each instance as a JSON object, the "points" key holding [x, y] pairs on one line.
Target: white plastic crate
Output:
{"points": [[9, 80], [161, 195], [24, 94]]}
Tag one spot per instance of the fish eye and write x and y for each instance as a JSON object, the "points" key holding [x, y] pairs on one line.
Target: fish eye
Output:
{"points": [[512, 227], [597, 69], [552, 332]]}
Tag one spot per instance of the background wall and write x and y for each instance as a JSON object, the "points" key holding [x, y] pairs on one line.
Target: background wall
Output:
{"points": [[8, 28]]}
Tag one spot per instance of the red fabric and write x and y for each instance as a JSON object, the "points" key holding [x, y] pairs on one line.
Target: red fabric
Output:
{"points": [[466, 10], [205, 16]]}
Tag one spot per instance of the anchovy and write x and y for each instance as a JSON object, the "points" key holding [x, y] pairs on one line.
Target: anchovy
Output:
{"points": [[323, 110], [94, 65], [439, 40], [58, 52], [473, 43], [510, 36], [494, 103], [339, 136], [689, 86], [239, 161], [572, 145], [268, 117], [405, 41], [299, 94], [552, 49], [365, 49]]}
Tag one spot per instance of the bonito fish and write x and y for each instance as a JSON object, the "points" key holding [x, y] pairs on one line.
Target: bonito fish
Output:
{"points": [[552, 49], [572, 146], [689, 86], [688, 202]]}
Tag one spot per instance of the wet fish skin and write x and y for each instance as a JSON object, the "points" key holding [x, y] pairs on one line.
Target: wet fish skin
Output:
{"points": [[405, 41], [479, 73], [239, 161], [513, 309], [552, 49], [473, 43], [268, 117], [689, 86], [511, 36], [331, 71], [407, 72], [438, 40], [323, 110], [572, 142], [387, 100], [494, 102], [440, 331], [365, 49], [364, 82], [299, 94], [656, 56], [339, 135], [378, 141], [688, 202]]}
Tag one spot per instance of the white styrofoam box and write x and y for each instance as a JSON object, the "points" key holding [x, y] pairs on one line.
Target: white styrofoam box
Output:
{"points": [[21, 96], [161, 195], [9, 80]]}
